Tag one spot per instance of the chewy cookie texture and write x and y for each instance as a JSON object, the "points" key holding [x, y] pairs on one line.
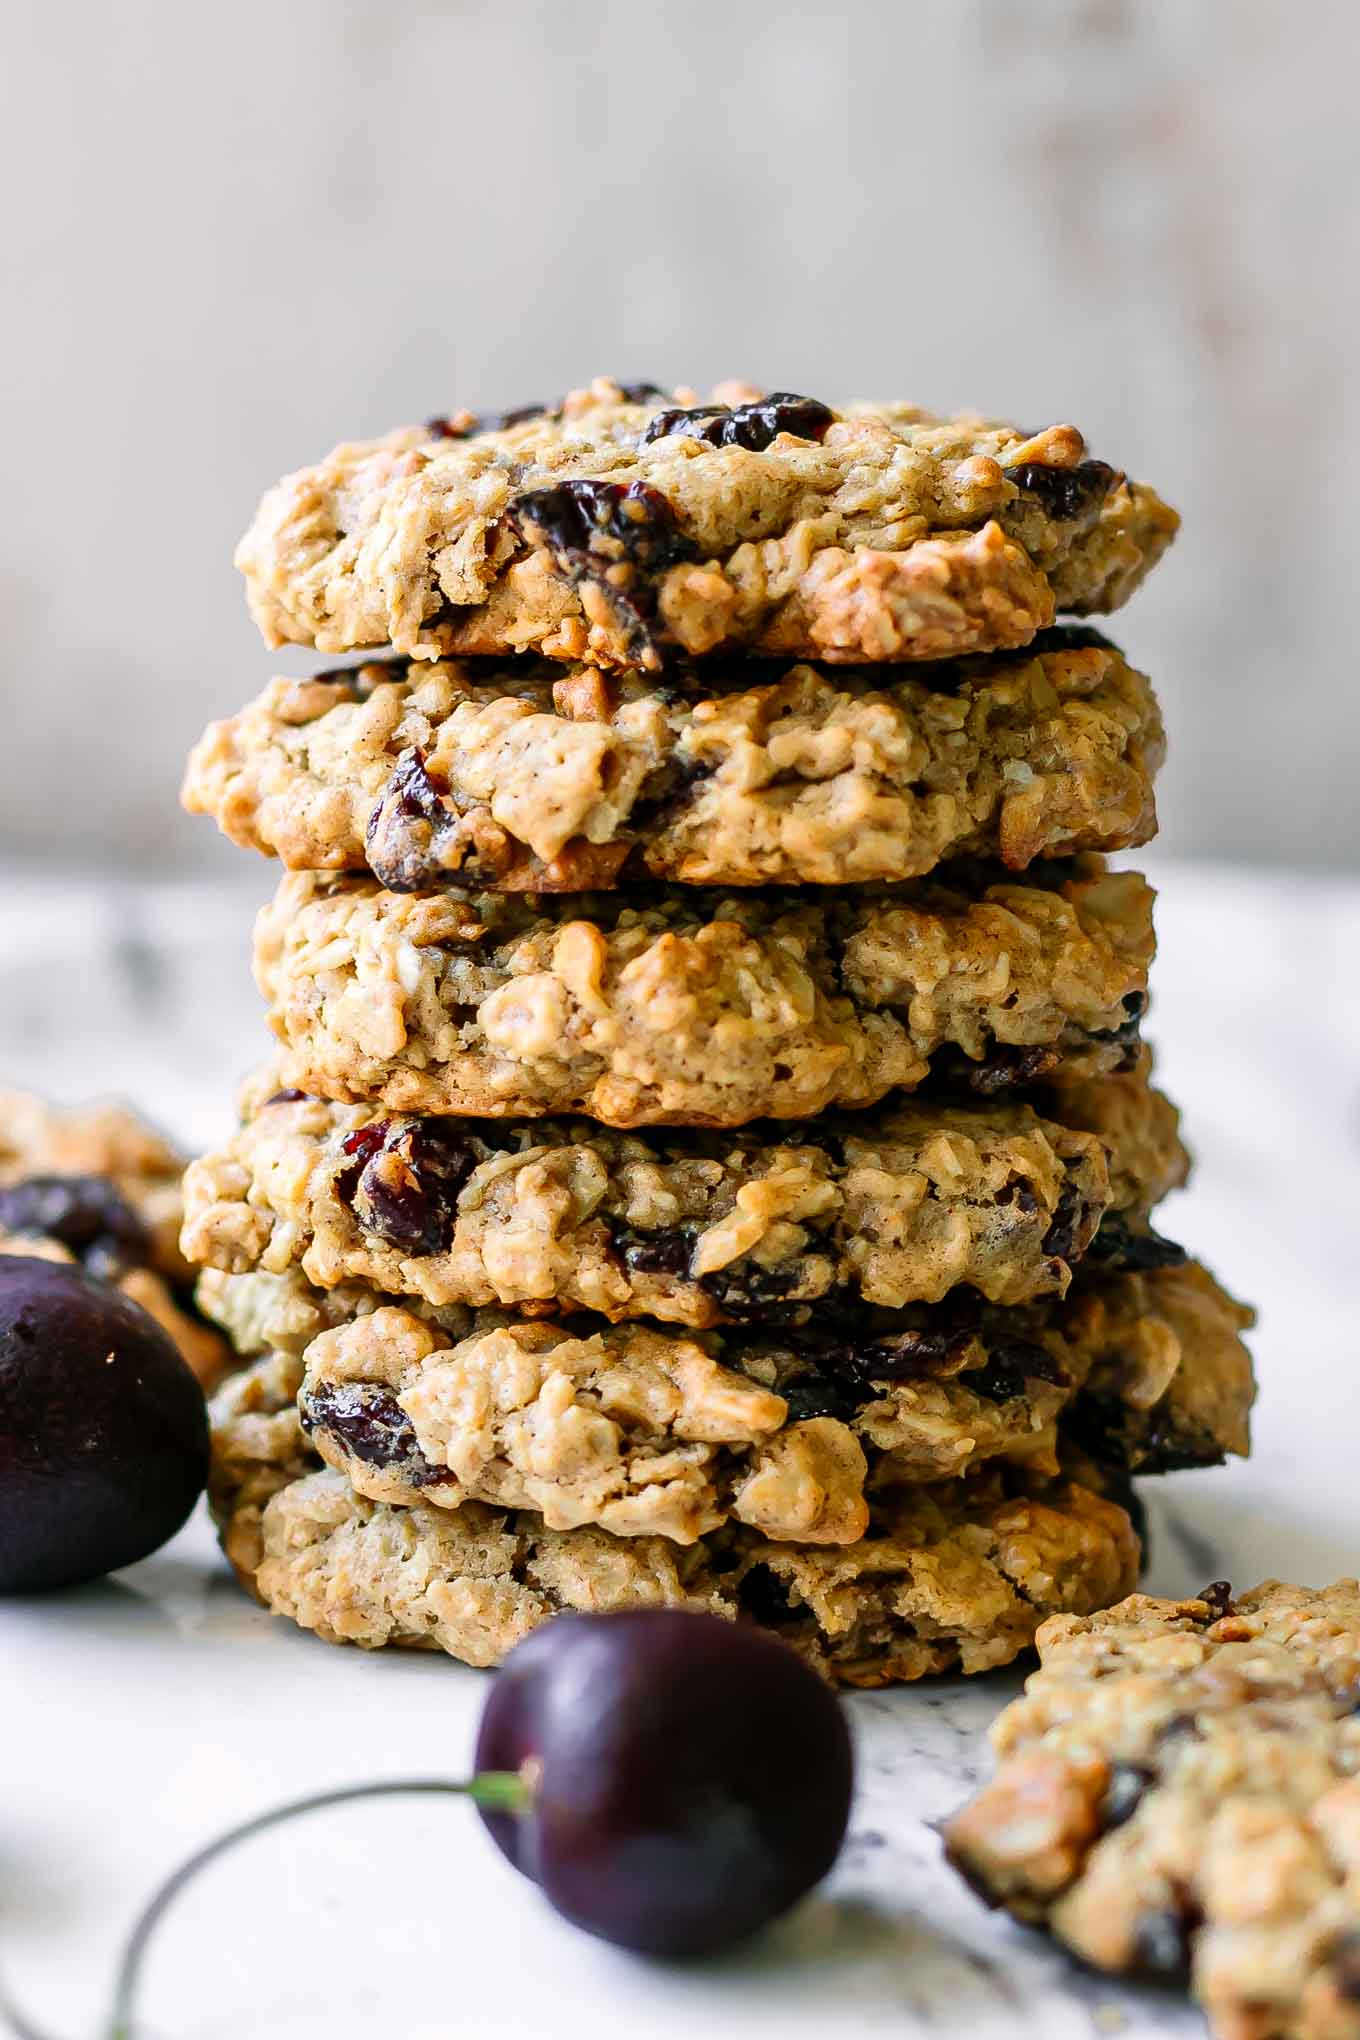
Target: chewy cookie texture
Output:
{"points": [[710, 1158], [644, 1428], [1179, 1796], [771, 1224], [949, 1577], [624, 522], [535, 777], [667, 1006]]}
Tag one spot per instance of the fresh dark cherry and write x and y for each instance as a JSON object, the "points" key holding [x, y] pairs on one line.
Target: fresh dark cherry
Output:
{"points": [[754, 426], [103, 1429], [687, 1779], [86, 1214]]}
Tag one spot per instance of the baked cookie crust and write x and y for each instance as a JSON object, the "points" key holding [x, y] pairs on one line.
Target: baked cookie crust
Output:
{"points": [[1179, 1795], [897, 1205], [647, 1430], [674, 1007], [949, 1578], [613, 528], [535, 777]]}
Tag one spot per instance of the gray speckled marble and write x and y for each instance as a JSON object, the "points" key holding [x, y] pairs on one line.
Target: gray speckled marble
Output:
{"points": [[155, 1708]]}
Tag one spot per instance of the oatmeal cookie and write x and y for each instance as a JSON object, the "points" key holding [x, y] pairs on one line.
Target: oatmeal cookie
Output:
{"points": [[667, 1006], [623, 523], [95, 1184], [543, 779], [650, 1431], [947, 1578], [778, 1225], [1172, 1385], [1179, 1795]]}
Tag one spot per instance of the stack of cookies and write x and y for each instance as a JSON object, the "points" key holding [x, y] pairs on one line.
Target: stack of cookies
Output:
{"points": [[709, 1151]]}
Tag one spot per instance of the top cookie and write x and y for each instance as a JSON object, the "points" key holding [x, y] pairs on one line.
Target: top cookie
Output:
{"points": [[623, 522]]}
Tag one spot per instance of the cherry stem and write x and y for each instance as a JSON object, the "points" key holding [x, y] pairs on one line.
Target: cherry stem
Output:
{"points": [[509, 1792]]}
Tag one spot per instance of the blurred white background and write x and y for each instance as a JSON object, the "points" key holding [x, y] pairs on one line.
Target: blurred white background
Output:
{"points": [[242, 233]]}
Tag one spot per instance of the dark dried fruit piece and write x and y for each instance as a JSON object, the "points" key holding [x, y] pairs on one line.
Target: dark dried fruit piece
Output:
{"points": [[372, 1426], [519, 414], [1154, 1441], [1019, 1193], [1069, 637], [668, 1252], [1124, 1794], [1344, 1963], [1066, 493], [1131, 1250], [818, 1394], [744, 1291], [749, 1294], [404, 1181], [86, 1214], [1161, 1943], [1219, 1596], [1002, 1071], [1009, 1370], [1072, 1226], [765, 1597], [407, 829], [754, 426], [664, 793], [592, 526], [905, 1356], [468, 424], [621, 536]]}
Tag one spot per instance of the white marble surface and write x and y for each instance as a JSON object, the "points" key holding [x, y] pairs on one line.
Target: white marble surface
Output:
{"points": [[138, 1716]]}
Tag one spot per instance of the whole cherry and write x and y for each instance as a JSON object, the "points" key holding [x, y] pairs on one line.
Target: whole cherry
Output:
{"points": [[683, 1779], [671, 1781], [103, 1429]]}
